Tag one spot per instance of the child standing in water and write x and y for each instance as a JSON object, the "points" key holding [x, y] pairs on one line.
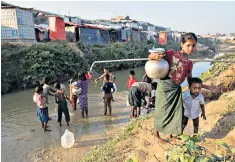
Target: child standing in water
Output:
{"points": [[107, 88], [60, 99], [131, 80], [74, 98], [168, 104], [112, 78], [193, 101], [42, 110], [47, 89], [102, 77]]}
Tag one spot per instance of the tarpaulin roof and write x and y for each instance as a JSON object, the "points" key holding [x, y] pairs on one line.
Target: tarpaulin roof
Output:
{"points": [[45, 13], [41, 27]]}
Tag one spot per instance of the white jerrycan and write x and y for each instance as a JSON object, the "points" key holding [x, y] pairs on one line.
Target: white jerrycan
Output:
{"points": [[67, 140]]}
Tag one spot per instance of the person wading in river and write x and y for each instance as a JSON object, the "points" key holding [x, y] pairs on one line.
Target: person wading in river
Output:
{"points": [[107, 88], [74, 98], [42, 110], [60, 99], [112, 78], [168, 105], [83, 99], [131, 80], [102, 77], [47, 89]]}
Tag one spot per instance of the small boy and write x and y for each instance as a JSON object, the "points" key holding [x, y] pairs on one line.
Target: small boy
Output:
{"points": [[131, 79], [193, 101], [107, 88], [47, 89], [60, 99], [74, 97], [42, 110]]}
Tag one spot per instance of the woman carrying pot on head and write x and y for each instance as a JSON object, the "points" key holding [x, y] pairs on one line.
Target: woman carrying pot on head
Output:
{"points": [[168, 104]]}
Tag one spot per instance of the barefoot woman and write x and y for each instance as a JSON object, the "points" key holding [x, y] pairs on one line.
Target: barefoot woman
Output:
{"points": [[168, 104]]}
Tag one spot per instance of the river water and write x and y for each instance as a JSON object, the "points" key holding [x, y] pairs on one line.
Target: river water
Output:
{"points": [[21, 130]]}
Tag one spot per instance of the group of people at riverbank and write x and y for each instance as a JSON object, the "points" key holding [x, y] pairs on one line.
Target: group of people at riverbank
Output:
{"points": [[172, 108], [78, 95], [40, 97]]}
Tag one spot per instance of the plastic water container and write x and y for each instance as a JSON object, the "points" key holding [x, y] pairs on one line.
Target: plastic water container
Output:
{"points": [[67, 140], [77, 91]]}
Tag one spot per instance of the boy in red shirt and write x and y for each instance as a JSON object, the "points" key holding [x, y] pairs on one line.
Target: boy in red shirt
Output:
{"points": [[130, 81]]}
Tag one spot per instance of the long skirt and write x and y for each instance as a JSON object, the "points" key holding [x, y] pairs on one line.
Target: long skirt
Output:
{"points": [[168, 107], [83, 99], [42, 114]]}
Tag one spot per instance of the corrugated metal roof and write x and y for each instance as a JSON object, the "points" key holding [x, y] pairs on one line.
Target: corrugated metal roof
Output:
{"points": [[5, 5], [45, 13]]}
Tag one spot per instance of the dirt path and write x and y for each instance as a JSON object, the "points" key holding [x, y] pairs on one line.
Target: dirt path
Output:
{"points": [[145, 147]]}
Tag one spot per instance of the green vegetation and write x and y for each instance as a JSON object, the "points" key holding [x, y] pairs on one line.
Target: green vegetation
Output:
{"points": [[21, 66], [217, 67], [189, 151], [115, 51]]}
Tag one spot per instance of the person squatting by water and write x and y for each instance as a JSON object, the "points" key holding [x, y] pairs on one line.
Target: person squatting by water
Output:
{"points": [[108, 94], [60, 99], [136, 94], [168, 105], [193, 102], [42, 111]]}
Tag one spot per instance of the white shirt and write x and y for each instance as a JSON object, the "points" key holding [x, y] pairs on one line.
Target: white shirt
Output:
{"points": [[62, 86], [192, 106], [155, 80], [34, 98], [46, 89]]}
